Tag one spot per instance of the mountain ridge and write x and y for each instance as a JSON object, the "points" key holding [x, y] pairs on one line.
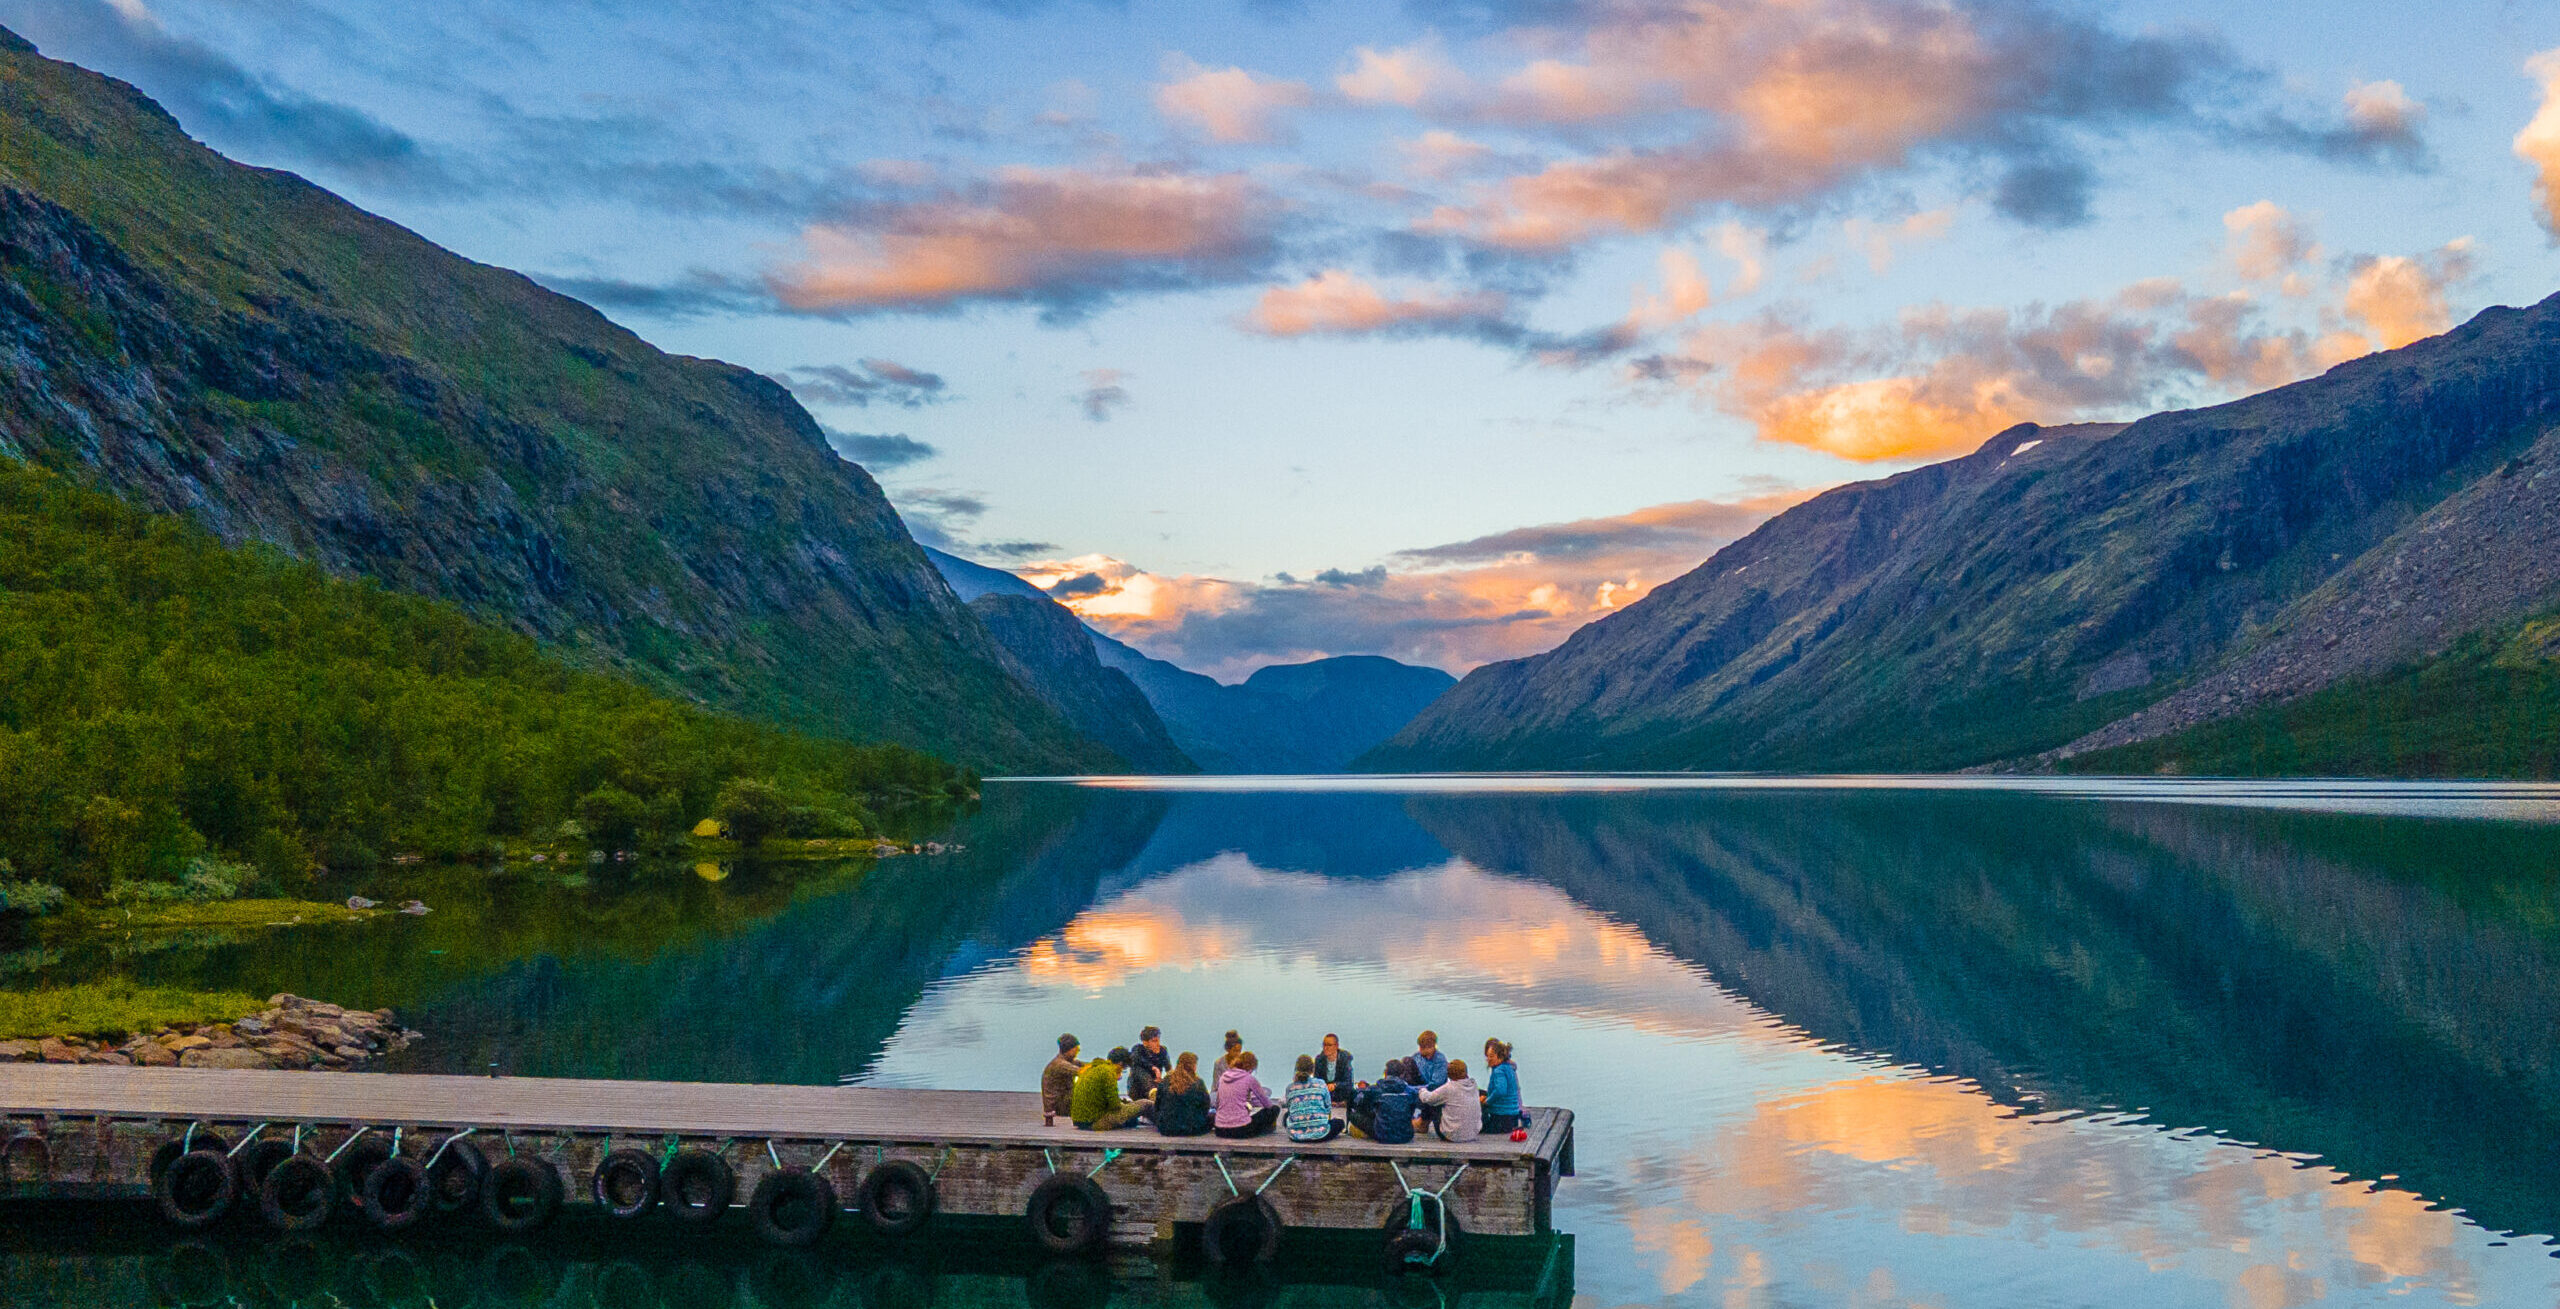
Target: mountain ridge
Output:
{"points": [[2042, 588], [242, 347]]}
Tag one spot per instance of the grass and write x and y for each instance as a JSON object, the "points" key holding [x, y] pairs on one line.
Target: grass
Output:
{"points": [[181, 916], [114, 1007]]}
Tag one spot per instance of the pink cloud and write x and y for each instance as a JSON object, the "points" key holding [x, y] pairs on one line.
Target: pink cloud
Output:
{"points": [[1339, 303], [2539, 143], [1060, 235], [1230, 105]]}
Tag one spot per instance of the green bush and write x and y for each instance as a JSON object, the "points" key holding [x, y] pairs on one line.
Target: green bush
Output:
{"points": [[752, 810], [165, 699], [29, 899], [612, 816]]}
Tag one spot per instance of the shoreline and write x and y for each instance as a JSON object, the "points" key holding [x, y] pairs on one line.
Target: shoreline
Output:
{"points": [[292, 1033]]}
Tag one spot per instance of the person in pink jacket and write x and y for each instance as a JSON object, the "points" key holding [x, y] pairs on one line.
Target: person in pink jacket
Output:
{"points": [[1245, 1107]]}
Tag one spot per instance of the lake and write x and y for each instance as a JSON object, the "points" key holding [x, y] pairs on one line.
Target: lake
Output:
{"points": [[1830, 1041]]}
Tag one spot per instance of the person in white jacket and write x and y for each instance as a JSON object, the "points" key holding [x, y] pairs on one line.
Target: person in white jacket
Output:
{"points": [[1461, 1105]]}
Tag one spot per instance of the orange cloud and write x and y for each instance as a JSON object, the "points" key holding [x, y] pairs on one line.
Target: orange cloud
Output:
{"points": [[2539, 143], [1337, 302], [2383, 109], [1060, 235], [1229, 105], [2266, 243], [2399, 299], [1455, 605]]}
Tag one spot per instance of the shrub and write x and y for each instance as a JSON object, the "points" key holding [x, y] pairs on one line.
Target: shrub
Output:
{"points": [[612, 815], [752, 809], [29, 899]]}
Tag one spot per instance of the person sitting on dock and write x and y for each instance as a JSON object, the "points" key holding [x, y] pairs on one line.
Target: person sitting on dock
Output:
{"points": [[1428, 1068], [1147, 1063], [1333, 1068], [1058, 1080], [1383, 1110], [1459, 1103], [1501, 1090], [1244, 1103], [1182, 1101], [1308, 1115], [1218, 1070], [1096, 1104]]}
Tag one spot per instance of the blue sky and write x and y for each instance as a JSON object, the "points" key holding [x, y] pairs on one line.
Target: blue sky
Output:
{"points": [[1435, 329]]}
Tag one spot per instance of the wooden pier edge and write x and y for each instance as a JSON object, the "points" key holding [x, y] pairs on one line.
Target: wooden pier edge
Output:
{"points": [[92, 1131]]}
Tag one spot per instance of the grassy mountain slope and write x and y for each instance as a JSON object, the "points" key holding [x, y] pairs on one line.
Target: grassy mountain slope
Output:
{"points": [[170, 705], [243, 347], [1313, 717], [2055, 581]]}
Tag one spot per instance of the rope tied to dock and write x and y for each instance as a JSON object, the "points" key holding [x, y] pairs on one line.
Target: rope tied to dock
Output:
{"points": [[828, 1157], [342, 1145], [936, 1174], [244, 1141], [1107, 1157], [1267, 1178], [771, 1154], [447, 1144], [1439, 1203]]}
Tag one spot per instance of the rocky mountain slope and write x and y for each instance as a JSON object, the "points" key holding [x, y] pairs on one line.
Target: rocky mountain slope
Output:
{"points": [[1313, 717], [240, 346], [1054, 653], [2070, 587]]}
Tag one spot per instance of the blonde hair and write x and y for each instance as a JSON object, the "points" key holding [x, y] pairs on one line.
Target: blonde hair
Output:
{"points": [[1185, 1074]]}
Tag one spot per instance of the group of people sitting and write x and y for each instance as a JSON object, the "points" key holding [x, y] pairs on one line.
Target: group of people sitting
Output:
{"points": [[1424, 1091]]}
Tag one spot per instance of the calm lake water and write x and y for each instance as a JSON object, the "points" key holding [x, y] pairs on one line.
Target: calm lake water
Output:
{"points": [[1883, 1042]]}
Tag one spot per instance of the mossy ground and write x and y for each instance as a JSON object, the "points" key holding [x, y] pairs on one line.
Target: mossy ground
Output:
{"points": [[114, 1007]]}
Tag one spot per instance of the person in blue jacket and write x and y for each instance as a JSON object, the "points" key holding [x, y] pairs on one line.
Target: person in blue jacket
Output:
{"points": [[1383, 1110], [1429, 1068], [1502, 1115]]}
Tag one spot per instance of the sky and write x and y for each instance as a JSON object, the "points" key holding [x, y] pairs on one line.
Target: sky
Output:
{"points": [[1262, 330]]}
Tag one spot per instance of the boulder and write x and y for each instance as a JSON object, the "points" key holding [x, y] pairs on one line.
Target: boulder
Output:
{"points": [[116, 1057], [250, 1026], [152, 1054], [54, 1050], [190, 1041], [231, 1057], [19, 1052]]}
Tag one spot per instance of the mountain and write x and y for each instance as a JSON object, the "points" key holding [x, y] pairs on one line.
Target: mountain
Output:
{"points": [[1314, 717], [1052, 651], [2067, 589], [242, 347]]}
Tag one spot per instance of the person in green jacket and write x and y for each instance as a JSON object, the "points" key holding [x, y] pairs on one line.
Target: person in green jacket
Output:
{"points": [[1095, 1102]]}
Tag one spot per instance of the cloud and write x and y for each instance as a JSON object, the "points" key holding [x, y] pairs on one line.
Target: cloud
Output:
{"points": [[1782, 105], [1229, 105], [1103, 395], [2268, 244], [1063, 238], [1407, 76], [1941, 380], [2399, 299], [1440, 153], [880, 451], [884, 381], [940, 518], [1457, 605], [2539, 143], [1880, 242], [226, 105], [1336, 302]]}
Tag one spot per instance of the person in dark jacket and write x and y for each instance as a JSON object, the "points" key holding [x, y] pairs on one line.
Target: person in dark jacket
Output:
{"points": [[1383, 1110], [1182, 1101], [1147, 1063], [1058, 1080], [1333, 1067]]}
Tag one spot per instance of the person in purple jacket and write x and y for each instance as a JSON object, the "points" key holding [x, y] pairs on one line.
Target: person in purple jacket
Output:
{"points": [[1245, 1107]]}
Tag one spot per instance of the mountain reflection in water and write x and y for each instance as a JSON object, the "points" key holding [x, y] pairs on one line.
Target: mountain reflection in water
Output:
{"points": [[1828, 1043]]}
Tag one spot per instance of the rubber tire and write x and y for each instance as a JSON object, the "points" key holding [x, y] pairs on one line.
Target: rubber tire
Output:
{"points": [[519, 1195], [299, 1194], [697, 1187], [1078, 1200], [196, 1189], [791, 1207], [249, 1167], [890, 1181], [357, 1163], [396, 1195], [456, 1177], [1405, 1246], [177, 1145], [622, 1169], [1242, 1229]]}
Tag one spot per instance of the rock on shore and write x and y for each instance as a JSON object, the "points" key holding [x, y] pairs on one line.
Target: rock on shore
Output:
{"points": [[291, 1032]]}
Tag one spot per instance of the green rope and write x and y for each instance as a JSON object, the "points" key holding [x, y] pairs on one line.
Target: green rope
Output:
{"points": [[1107, 1157], [1221, 1161], [936, 1174], [769, 1153], [244, 1141], [1275, 1174]]}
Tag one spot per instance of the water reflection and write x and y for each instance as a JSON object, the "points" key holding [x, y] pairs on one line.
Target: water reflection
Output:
{"points": [[109, 1255], [1829, 1044]]}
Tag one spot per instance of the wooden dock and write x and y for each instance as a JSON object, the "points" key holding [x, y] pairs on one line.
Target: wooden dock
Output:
{"points": [[99, 1131]]}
